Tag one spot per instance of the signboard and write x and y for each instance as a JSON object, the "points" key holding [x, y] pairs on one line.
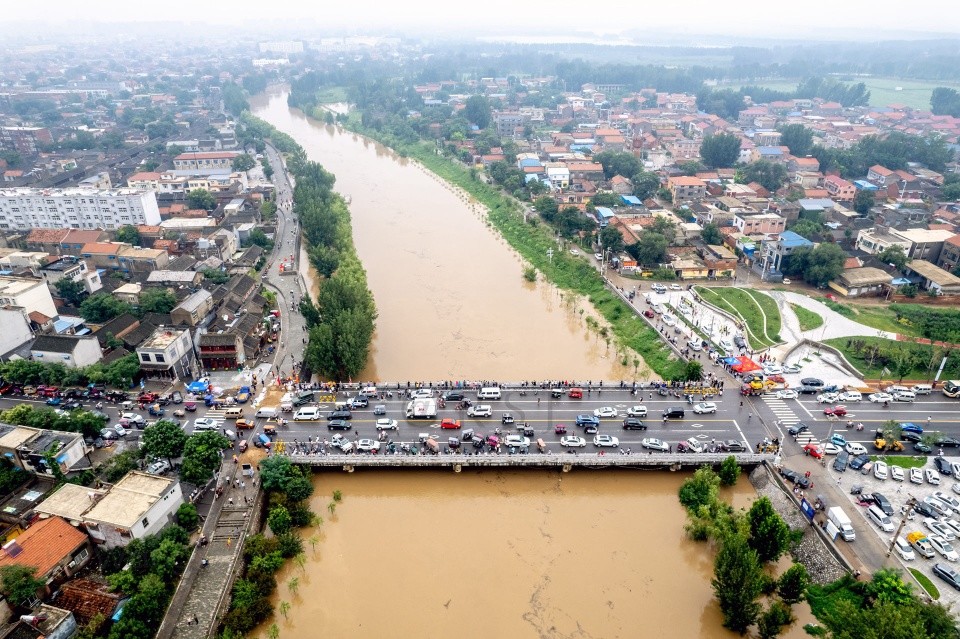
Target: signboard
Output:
{"points": [[807, 509]]}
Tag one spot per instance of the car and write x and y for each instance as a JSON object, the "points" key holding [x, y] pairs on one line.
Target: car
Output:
{"points": [[109, 434], [205, 423], [812, 381], [855, 448], [380, 409], [948, 574], [883, 503], [177, 397], [838, 440], [448, 423], [794, 477], [676, 287], [605, 411], [605, 441], [54, 401], [338, 424], [808, 390], [735, 446], [584, 420], [850, 396], [924, 509], [517, 441], [942, 441], [652, 443], [904, 396], [454, 396], [835, 411], [920, 447], [910, 436], [942, 465], [827, 398], [507, 418], [931, 476], [910, 427], [669, 319], [573, 441], [657, 287], [649, 314], [879, 398], [955, 487], [334, 414], [787, 393], [916, 476], [797, 428], [637, 411], [773, 370], [632, 423], [340, 442], [599, 256], [658, 309], [705, 407], [480, 410], [791, 368], [368, 445], [131, 418], [896, 472], [829, 448], [903, 549], [948, 499], [590, 429], [158, 467], [814, 450], [574, 251], [385, 423], [858, 461], [952, 524], [359, 401], [880, 470], [739, 342], [938, 506], [943, 547]]}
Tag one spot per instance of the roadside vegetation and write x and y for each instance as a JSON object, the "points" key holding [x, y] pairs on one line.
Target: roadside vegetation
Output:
{"points": [[762, 321], [940, 324], [807, 318], [925, 583], [902, 360]]}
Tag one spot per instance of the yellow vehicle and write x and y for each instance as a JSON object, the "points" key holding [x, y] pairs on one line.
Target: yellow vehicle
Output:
{"points": [[881, 444]]}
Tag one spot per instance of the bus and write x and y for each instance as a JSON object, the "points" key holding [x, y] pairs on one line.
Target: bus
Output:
{"points": [[951, 388]]}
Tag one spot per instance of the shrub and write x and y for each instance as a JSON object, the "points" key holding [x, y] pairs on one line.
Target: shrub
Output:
{"points": [[289, 545], [187, 516]]}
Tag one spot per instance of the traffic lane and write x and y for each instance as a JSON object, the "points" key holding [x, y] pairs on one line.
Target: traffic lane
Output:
{"points": [[942, 414]]}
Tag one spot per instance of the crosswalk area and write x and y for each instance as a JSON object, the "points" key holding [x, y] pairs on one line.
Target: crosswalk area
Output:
{"points": [[787, 418], [219, 413]]}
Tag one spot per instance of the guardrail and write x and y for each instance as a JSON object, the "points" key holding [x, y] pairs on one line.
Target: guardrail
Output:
{"points": [[533, 460]]}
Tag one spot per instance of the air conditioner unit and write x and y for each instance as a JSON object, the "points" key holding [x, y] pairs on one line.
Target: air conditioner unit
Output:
{"points": [[72, 564]]}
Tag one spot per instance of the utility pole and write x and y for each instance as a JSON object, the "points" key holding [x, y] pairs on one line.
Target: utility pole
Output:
{"points": [[903, 522]]}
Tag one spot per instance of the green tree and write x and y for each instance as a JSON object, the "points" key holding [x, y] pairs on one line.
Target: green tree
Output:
{"points": [[793, 583], [729, 471], [700, 490], [611, 239], [103, 307], [651, 249], [798, 138], [477, 110], [164, 439], [951, 192], [711, 234], [863, 201], [19, 583], [201, 199], [606, 198], [769, 534], [774, 618], [894, 255], [736, 582], [618, 163], [645, 184], [157, 300], [215, 276], [70, 291], [692, 371], [201, 456], [770, 175], [168, 560], [721, 150], [187, 517], [243, 162], [129, 234], [279, 520], [945, 101], [259, 238], [298, 489], [275, 472]]}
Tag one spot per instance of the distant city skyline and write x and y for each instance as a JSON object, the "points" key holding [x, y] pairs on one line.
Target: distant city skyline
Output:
{"points": [[818, 19]]}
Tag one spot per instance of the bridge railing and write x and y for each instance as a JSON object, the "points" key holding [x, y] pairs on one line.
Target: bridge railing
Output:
{"points": [[530, 459]]}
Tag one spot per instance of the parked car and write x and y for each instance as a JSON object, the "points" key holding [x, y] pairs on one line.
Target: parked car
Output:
{"points": [[896, 472], [880, 470], [883, 503], [903, 549], [916, 476], [943, 465], [879, 398], [158, 467], [855, 448], [943, 547], [811, 381], [910, 427], [652, 443], [814, 450], [573, 441], [791, 368], [948, 574], [734, 446], [605, 441]]}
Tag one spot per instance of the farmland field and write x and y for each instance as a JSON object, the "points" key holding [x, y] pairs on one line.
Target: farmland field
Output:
{"points": [[913, 93]]}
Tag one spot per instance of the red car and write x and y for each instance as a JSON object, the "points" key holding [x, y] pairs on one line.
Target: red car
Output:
{"points": [[813, 450], [560, 429], [449, 423], [648, 313], [836, 411]]}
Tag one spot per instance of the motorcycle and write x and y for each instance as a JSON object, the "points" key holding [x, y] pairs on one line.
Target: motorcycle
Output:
{"points": [[99, 405], [886, 404]]}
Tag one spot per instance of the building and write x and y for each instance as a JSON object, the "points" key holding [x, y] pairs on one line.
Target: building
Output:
{"points": [[221, 351], [839, 189], [950, 255], [776, 251], [145, 180], [508, 123], [198, 160], [25, 208], [719, 260], [129, 293], [141, 260], [759, 223], [136, 506], [54, 548], [192, 310], [168, 353], [878, 239], [72, 351], [26, 447], [861, 282], [933, 278], [27, 293], [191, 279], [881, 175], [917, 244], [684, 188], [16, 332], [281, 46], [25, 140]]}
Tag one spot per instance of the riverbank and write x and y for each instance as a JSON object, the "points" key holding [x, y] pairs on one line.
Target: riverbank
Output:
{"points": [[537, 245]]}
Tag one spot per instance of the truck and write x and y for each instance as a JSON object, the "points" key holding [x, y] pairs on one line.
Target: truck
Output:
{"points": [[421, 408], [838, 518], [920, 544]]}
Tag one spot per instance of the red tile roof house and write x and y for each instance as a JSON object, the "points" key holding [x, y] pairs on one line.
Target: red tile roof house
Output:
{"points": [[53, 547]]}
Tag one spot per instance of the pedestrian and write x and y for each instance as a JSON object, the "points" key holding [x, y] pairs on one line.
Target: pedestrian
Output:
{"points": [[243, 485], [230, 501], [741, 403], [929, 419]]}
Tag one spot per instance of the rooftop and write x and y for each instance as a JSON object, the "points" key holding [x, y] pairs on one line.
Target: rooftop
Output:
{"points": [[864, 276], [933, 273], [70, 501], [161, 338], [130, 499], [56, 343], [44, 544]]}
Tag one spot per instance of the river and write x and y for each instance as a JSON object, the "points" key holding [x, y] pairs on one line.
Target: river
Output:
{"points": [[450, 292]]}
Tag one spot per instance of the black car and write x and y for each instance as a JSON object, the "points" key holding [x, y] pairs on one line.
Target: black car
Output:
{"points": [[947, 441], [632, 423], [840, 463], [506, 418], [734, 446], [812, 381], [454, 396], [790, 475], [338, 424], [527, 431], [339, 414], [74, 405], [739, 341], [920, 447], [942, 465], [883, 503], [177, 397], [948, 574], [590, 429], [808, 390], [674, 412], [797, 428], [910, 436], [303, 398], [924, 509], [857, 462]]}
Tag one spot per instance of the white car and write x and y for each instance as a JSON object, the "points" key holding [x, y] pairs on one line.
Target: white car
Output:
{"points": [[605, 441], [574, 252], [658, 309], [773, 370], [669, 319], [573, 441], [205, 423], [385, 423], [705, 407], [517, 441], [652, 443], [942, 509], [903, 549], [637, 411], [856, 449], [916, 476], [830, 448], [480, 410], [939, 528], [676, 287], [368, 445], [787, 394], [827, 398], [850, 396], [656, 287], [599, 256], [932, 476], [791, 368], [133, 418], [605, 411], [956, 487], [880, 470], [952, 524], [948, 499], [896, 473], [158, 467], [878, 398], [943, 547]]}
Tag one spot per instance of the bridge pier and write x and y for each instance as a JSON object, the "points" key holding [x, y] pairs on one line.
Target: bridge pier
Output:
{"points": [[457, 468], [348, 468], [567, 468]]}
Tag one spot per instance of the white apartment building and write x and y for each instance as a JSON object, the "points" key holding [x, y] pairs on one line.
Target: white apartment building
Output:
{"points": [[28, 294], [26, 208]]}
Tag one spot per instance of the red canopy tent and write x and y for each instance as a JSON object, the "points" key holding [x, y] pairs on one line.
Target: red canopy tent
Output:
{"points": [[745, 365]]}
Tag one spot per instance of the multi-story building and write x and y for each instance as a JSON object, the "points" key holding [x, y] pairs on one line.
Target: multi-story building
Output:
{"points": [[282, 46], [24, 139], [25, 208], [839, 189], [25, 448], [759, 223], [193, 309], [168, 353], [71, 351], [950, 255], [27, 293], [684, 188], [204, 160]]}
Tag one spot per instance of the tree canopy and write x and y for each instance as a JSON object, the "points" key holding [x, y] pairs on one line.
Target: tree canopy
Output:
{"points": [[157, 300], [129, 234], [618, 163], [164, 439], [201, 456], [103, 307], [798, 138], [71, 291], [477, 110], [817, 266], [201, 199], [945, 101], [243, 162], [770, 175], [720, 150], [711, 234]]}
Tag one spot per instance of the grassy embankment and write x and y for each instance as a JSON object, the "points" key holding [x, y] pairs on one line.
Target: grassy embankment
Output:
{"points": [[532, 241], [870, 355], [807, 318], [740, 303]]}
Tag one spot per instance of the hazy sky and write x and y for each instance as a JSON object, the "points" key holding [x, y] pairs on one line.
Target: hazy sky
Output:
{"points": [[756, 17]]}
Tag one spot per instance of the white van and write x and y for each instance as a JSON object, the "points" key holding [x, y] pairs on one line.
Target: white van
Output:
{"points": [[904, 396], [306, 414], [880, 518], [268, 413], [922, 389], [893, 389], [491, 392], [233, 413], [695, 345]]}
